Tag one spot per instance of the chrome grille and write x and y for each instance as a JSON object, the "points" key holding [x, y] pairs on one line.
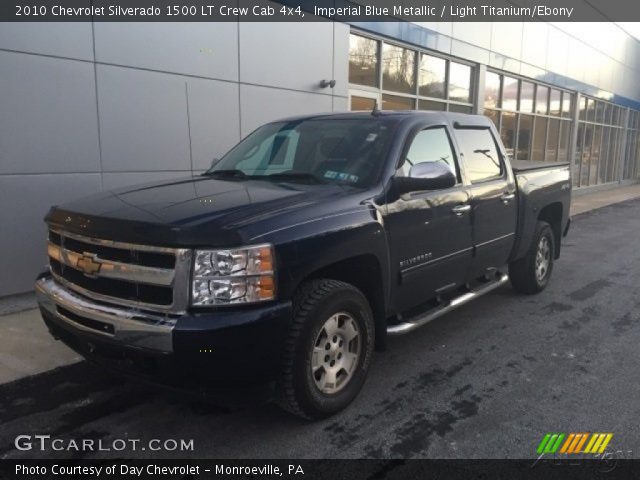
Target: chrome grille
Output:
{"points": [[142, 276]]}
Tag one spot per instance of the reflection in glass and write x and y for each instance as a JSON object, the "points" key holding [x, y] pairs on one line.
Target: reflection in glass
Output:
{"points": [[509, 93], [394, 102], [612, 169], [586, 154], [459, 82], [432, 76], [541, 99], [607, 113], [591, 108], [526, 97], [508, 132], [595, 155], [363, 61], [577, 161], [494, 115], [459, 108], [555, 102], [583, 109], [524, 137], [566, 104], [539, 135], [599, 112], [398, 65], [431, 105], [362, 103], [563, 145], [604, 160], [552, 140], [492, 90]]}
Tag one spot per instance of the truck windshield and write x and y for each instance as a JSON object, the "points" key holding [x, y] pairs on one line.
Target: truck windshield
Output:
{"points": [[347, 151]]}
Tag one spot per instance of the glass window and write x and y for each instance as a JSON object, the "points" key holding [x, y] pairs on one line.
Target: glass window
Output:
{"points": [[431, 105], [563, 147], [459, 82], [591, 107], [432, 76], [526, 97], [398, 69], [312, 150], [524, 137], [395, 102], [542, 97], [554, 102], [362, 103], [363, 61], [459, 108], [577, 160], [481, 157], [586, 155], [509, 93], [599, 112], [552, 140], [508, 132], [595, 155], [566, 104], [602, 170], [492, 90], [430, 145], [583, 109], [607, 113], [539, 135], [494, 115]]}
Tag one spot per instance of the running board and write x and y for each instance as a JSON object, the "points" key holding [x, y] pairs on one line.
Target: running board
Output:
{"points": [[420, 320]]}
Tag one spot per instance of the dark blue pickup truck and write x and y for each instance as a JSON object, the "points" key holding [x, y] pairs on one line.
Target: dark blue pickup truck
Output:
{"points": [[294, 256]]}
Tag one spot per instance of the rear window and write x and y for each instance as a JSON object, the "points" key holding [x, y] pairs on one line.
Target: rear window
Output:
{"points": [[480, 154]]}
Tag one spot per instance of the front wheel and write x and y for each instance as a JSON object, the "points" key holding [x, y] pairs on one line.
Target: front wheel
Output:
{"points": [[531, 273], [328, 351]]}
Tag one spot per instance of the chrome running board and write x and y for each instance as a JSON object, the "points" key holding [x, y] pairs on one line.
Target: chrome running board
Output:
{"points": [[411, 324]]}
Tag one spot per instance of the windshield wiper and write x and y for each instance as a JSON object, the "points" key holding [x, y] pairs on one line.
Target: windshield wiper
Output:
{"points": [[227, 173]]}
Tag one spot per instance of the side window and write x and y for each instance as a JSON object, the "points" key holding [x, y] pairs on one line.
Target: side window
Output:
{"points": [[430, 145], [481, 158]]}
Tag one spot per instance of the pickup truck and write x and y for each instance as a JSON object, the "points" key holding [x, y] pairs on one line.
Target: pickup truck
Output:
{"points": [[288, 262]]}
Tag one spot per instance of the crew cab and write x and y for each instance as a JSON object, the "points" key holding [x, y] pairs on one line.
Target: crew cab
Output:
{"points": [[291, 260]]}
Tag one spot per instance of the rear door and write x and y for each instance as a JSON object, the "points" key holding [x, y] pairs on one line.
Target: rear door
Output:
{"points": [[493, 197]]}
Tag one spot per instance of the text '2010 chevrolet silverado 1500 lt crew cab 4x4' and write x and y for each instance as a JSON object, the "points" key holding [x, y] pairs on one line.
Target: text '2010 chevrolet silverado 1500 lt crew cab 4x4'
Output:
{"points": [[296, 254]]}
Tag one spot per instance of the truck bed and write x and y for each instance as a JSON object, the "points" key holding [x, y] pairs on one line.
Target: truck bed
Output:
{"points": [[520, 166]]}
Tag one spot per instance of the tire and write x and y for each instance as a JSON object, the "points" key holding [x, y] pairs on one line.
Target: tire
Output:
{"points": [[531, 273], [325, 315]]}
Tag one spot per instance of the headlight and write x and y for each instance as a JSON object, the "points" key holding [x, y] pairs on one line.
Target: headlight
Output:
{"points": [[243, 275]]}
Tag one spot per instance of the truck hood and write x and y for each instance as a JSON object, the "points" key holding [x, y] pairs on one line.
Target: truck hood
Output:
{"points": [[199, 210]]}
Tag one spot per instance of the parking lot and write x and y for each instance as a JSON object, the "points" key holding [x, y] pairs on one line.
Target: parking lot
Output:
{"points": [[486, 381]]}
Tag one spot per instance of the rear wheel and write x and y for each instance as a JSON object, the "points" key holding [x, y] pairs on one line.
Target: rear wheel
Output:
{"points": [[328, 351], [531, 273]]}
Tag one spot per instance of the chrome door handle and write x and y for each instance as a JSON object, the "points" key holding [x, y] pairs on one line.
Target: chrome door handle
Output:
{"points": [[461, 209], [507, 197]]}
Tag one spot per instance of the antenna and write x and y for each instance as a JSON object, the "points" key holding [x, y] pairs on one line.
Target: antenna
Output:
{"points": [[375, 110]]}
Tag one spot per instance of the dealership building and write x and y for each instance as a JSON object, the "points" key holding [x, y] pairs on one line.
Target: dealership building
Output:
{"points": [[97, 106]]}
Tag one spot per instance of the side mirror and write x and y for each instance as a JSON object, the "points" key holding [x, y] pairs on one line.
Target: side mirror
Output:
{"points": [[426, 176]]}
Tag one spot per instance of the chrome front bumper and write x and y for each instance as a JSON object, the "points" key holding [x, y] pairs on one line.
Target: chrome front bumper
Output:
{"points": [[127, 326]]}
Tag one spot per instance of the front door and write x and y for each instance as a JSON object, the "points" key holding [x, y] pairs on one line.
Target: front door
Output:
{"points": [[429, 231]]}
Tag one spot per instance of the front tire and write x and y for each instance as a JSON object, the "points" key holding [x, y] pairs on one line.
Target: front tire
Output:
{"points": [[328, 351], [531, 273]]}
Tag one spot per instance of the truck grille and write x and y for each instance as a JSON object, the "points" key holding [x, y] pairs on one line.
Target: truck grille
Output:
{"points": [[147, 277]]}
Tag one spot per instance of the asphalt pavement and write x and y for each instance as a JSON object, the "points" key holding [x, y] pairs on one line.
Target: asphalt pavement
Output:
{"points": [[486, 381]]}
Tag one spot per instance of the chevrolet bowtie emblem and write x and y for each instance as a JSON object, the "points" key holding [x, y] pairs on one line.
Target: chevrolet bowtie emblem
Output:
{"points": [[88, 264]]}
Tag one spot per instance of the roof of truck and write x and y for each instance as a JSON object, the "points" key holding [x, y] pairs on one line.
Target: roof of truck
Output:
{"points": [[463, 119]]}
